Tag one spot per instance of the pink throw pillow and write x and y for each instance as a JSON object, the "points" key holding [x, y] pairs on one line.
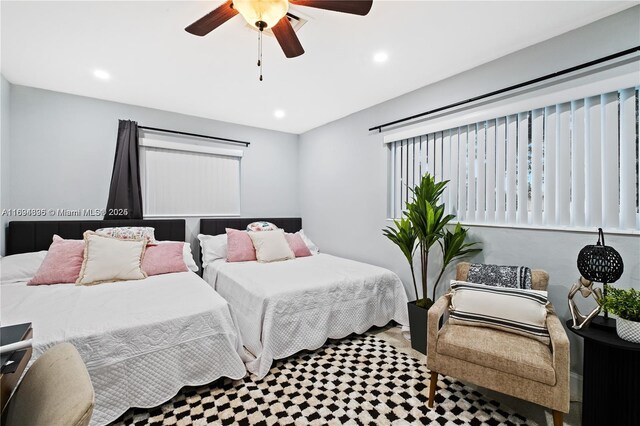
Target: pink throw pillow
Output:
{"points": [[239, 246], [297, 245], [164, 258], [62, 263]]}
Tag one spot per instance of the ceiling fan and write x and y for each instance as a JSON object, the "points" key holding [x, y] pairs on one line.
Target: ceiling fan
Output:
{"points": [[262, 14]]}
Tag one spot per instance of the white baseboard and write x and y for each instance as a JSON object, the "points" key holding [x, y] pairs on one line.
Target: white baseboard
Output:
{"points": [[575, 382]]}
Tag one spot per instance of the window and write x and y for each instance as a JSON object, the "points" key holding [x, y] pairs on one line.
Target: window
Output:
{"points": [[571, 164], [182, 179]]}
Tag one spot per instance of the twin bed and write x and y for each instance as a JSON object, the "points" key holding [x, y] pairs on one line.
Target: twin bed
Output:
{"points": [[285, 307], [144, 340]]}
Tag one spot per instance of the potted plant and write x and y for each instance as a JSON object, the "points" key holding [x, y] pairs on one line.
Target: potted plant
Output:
{"points": [[626, 305], [423, 225]]}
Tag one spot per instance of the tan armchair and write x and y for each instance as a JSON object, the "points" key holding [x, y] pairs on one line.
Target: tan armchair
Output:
{"points": [[56, 390], [504, 362]]}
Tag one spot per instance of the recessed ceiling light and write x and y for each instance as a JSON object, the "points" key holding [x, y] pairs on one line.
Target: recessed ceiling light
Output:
{"points": [[101, 74], [380, 57], [279, 113]]}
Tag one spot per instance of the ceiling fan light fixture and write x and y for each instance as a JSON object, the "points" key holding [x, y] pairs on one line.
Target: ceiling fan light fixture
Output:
{"points": [[260, 12]]}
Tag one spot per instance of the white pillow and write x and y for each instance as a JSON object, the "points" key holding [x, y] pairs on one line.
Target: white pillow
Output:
{"points": [[108, 259], [187, 255], [514, 310], [212, 247], [20, 267], [271, 246], [310, 245]]}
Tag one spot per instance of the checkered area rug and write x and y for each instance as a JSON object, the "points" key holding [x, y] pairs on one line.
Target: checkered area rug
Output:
{"points": [[358, 380]]}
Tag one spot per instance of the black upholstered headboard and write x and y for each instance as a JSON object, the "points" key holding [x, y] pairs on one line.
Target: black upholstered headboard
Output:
{"points": [[218, 225], [28, 236]]}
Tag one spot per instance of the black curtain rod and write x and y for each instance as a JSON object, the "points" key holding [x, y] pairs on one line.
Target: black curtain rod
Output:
{"points": [[176, 132], [507, 89]]}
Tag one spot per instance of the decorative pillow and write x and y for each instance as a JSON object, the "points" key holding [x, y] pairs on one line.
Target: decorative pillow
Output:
{"points": [[500, 276], [164, 258], [239, 246], [261, 226], [271, 246], [297, 245], [508, 309], [62, 264], [130, 233], [312, 247], [186, 254], [108, 259], [20, 267], [212, 247]]}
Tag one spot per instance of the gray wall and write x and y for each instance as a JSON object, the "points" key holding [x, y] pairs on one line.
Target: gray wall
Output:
{"points": [[343, 179], [62, 150], [5, 118]]}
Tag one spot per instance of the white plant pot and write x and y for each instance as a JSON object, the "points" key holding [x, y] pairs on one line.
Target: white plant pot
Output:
{"points": [[628, 330]]}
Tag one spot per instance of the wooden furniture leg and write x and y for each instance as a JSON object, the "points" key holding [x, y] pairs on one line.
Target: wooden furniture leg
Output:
{"points": [[557, 418], [432, 388]]}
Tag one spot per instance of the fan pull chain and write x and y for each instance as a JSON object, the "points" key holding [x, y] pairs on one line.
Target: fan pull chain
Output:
{"points": [[260, 51]]}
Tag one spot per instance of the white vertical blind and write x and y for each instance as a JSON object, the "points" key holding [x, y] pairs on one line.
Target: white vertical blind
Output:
{"points": [[537, 138], [500, 169], [446, 163], [523, 168], [628, 152], [481, 192], [184, 180], [490, 171], [610, 176], [454, 165], [571, 164], [471, 172], [549, 152], [462, 172], [510, 186], [578, 164], [563, 164]]}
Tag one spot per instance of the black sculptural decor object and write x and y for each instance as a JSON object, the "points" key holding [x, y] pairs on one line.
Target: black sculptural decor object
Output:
{"points": [[602, 264]]}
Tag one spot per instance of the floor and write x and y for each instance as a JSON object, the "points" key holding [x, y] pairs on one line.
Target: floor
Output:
{"points": [[533, 412]]}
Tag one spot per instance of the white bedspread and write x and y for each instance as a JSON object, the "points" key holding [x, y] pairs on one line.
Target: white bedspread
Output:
{"points": [[141, 340], [285, 307]]}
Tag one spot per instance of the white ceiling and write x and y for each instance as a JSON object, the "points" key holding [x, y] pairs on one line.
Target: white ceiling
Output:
{"points": [[155, 63]]}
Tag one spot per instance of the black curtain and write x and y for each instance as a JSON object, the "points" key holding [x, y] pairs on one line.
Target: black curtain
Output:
{"points": [[125, 196]]}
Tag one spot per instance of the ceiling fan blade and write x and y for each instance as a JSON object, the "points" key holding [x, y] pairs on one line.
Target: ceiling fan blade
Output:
{"points": [[355, 7], [287, 38], [212, 20]]}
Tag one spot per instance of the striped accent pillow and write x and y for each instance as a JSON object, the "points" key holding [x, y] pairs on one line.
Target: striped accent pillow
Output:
{"points": [[514, 310]]}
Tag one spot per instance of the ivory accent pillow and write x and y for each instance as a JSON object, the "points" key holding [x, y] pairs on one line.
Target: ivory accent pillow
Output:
{"points": [[508, 309], [271, 246], [108, 259], [62, 264]]}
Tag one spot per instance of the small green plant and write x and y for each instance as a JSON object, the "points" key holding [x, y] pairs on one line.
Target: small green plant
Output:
{"points": [[623, 303]]}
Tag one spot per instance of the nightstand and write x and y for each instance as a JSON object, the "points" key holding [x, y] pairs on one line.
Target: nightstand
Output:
{"points": [[611, 377]]}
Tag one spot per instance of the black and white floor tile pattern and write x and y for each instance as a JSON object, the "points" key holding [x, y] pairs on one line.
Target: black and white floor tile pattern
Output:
{"points": [[358, 380]]}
